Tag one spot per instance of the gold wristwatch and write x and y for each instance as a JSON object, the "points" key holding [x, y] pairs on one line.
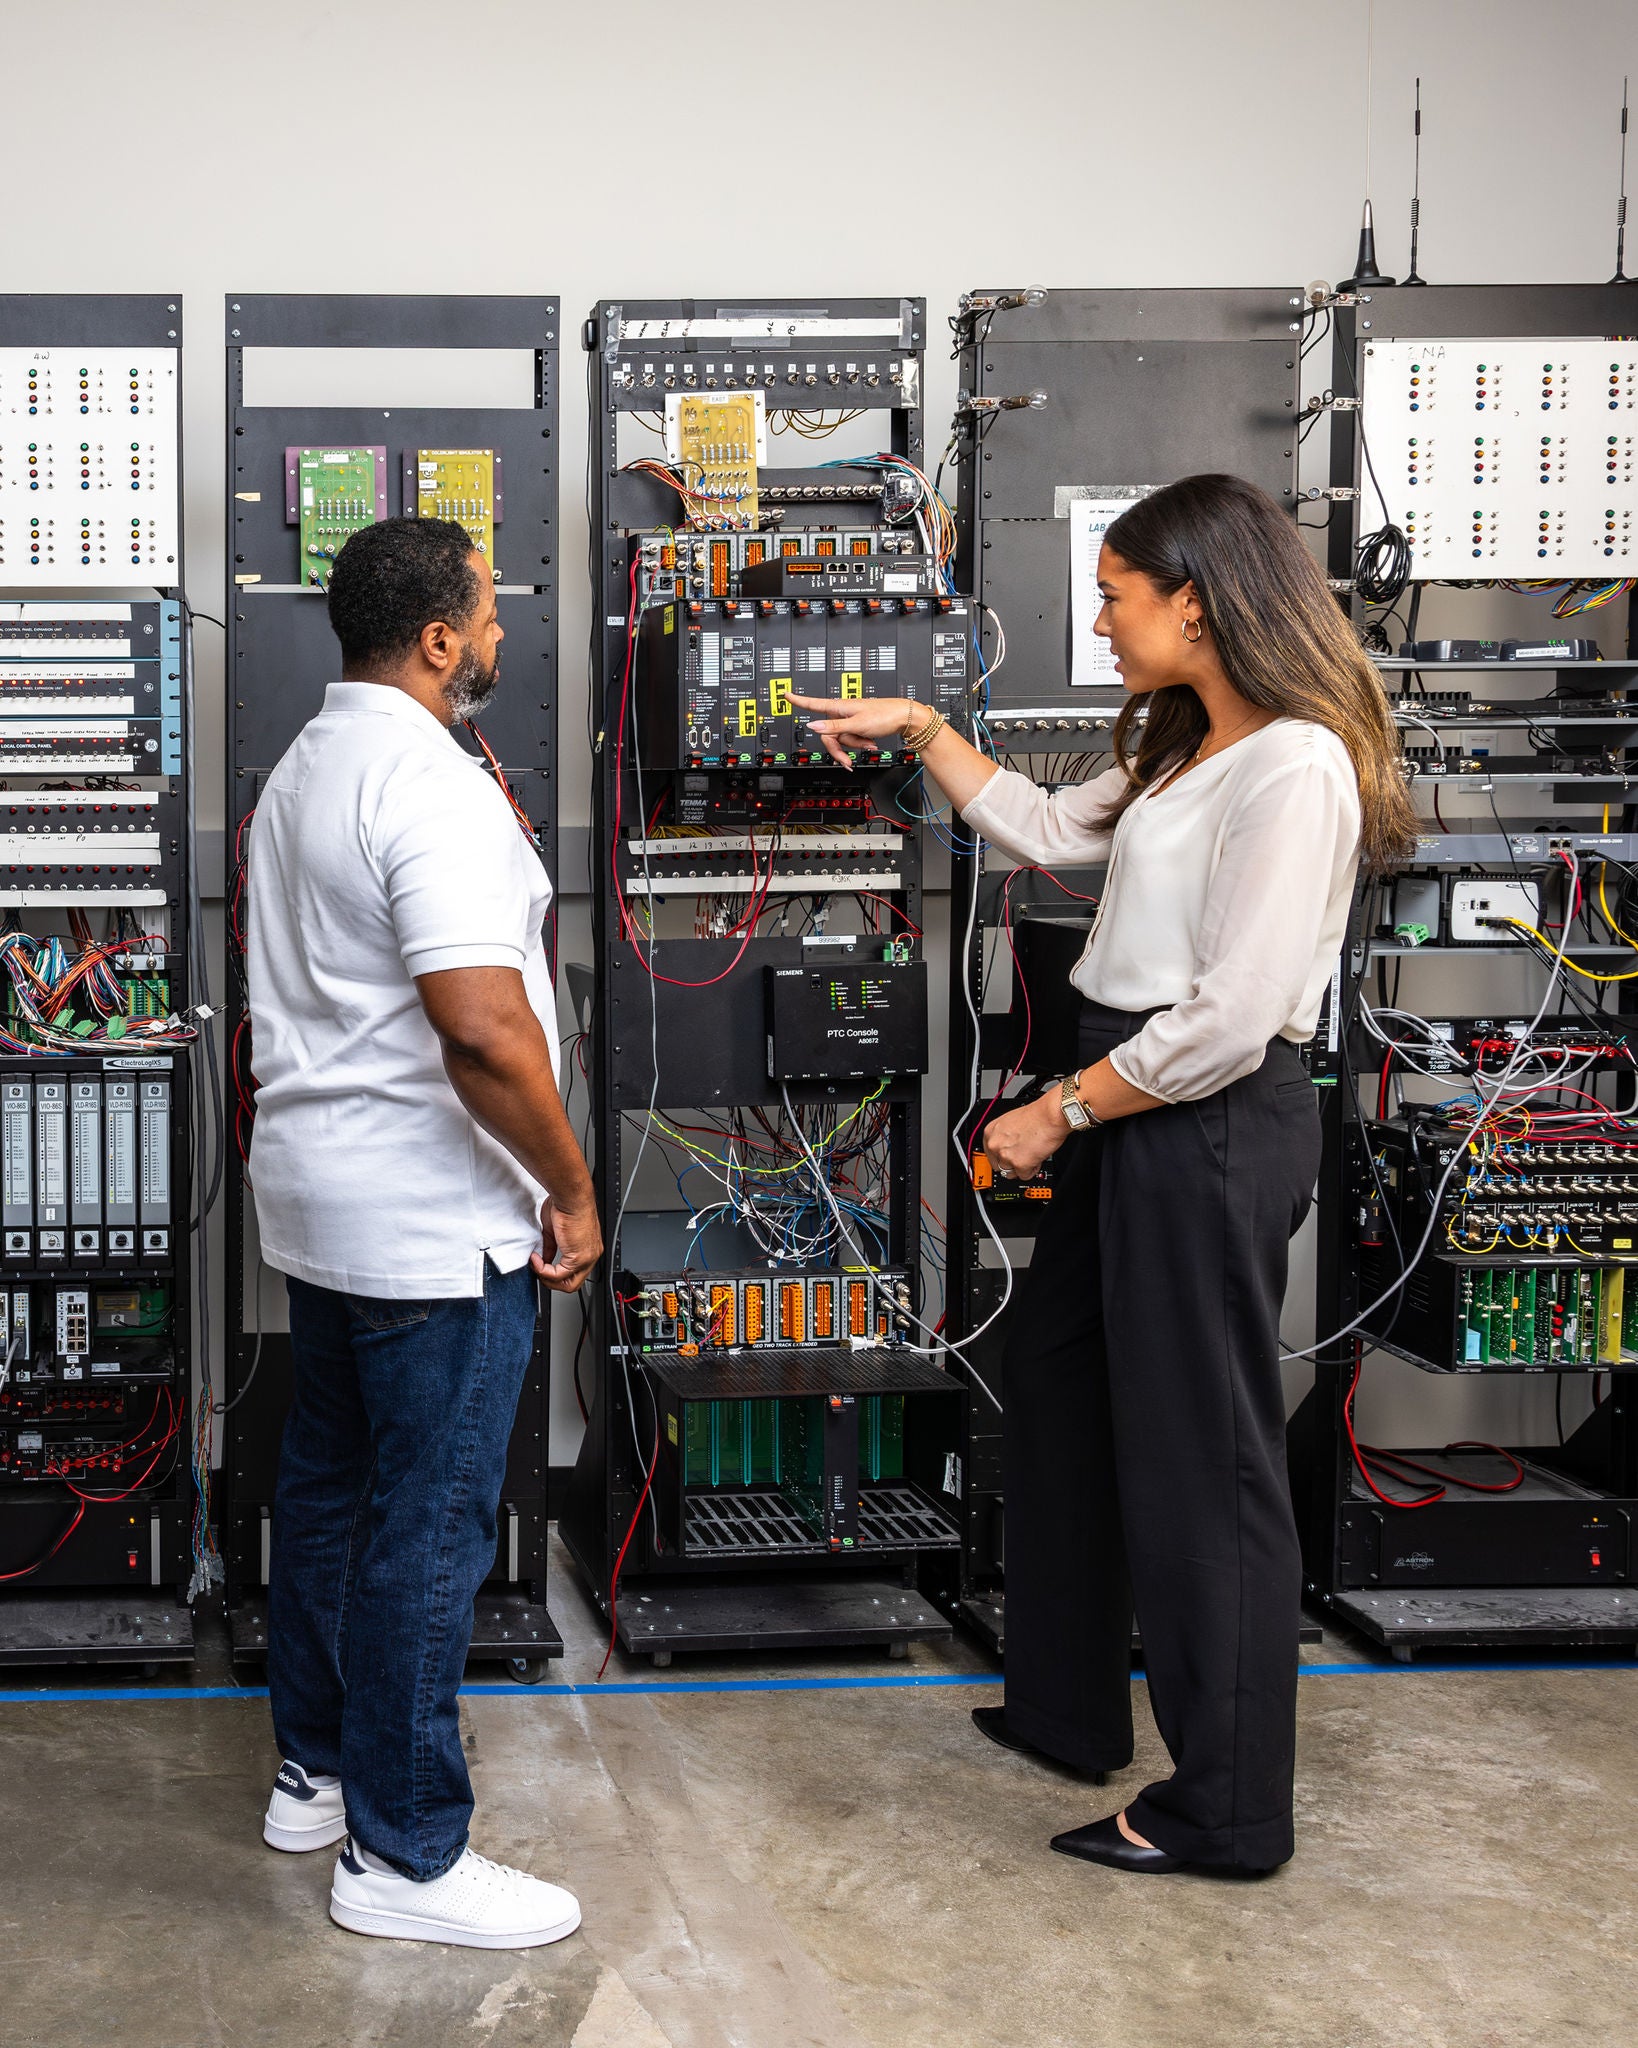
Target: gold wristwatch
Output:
{"points": [[1075, 1112]]}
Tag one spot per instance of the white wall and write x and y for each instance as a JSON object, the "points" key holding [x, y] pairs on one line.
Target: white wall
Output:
{"points": [[204, 146]]}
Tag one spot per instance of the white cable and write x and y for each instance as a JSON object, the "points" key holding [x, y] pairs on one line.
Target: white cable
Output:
{"points": [[1486, 1103]]}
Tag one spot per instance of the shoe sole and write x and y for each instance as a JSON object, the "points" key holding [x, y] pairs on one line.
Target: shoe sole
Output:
{"points": [[409, 1927], [295, 1840]]}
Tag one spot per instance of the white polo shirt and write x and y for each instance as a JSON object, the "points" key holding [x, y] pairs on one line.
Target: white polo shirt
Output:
{"points": [[380, 850]]}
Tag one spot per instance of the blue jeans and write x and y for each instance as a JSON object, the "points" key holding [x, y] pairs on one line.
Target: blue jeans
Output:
{"points": [[383, 1531]]}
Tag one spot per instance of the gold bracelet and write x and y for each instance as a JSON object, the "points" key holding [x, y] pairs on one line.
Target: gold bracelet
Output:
{"points": [[915, 741]]}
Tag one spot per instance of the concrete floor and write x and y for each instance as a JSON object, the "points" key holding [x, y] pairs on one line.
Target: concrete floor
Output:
{"points": [[841, 1869]]}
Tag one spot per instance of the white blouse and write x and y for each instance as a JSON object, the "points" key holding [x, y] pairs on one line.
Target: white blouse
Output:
{"points": [[1226, 902]]}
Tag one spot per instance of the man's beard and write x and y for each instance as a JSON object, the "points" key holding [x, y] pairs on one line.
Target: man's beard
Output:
{"points": [[471, 687]]}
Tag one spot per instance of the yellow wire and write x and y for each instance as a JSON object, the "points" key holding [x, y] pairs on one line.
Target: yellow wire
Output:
{"points": [[718, 1159], [1603, 901], [1586, 973]]}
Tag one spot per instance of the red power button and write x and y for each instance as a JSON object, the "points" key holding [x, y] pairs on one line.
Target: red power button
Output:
{"points": [[1597, 1559]]}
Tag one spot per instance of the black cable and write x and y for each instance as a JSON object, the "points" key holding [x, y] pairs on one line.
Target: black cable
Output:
{"points": [[1382, 560], [1382, 564], [227, 1407], [1350, 1080]]}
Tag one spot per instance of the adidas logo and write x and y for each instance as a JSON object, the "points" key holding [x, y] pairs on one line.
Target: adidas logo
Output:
{"points": [[290, 1781]]}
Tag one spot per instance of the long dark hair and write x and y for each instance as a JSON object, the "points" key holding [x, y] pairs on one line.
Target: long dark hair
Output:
{"points": [[1280, 635]]}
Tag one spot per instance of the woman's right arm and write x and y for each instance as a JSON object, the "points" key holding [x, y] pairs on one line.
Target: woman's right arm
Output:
{"points": [[1007, 808]]}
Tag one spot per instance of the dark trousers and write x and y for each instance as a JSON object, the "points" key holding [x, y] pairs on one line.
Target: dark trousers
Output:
{"points": [[1144, 1456], [383, 1530]]}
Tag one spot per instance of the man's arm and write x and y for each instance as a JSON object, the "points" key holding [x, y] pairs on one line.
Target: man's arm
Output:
{"points": [[496, 1058]]}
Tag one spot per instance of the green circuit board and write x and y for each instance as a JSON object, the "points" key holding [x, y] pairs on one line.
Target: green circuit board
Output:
{"points": [[331, 493]]}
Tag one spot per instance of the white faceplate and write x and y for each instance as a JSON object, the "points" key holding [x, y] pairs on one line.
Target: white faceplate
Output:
{"points": [[88, 485], [1504, 459]]}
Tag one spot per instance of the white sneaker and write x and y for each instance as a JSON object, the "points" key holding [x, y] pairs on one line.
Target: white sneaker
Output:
{"points": [[304, 1812], [475, 1904]]}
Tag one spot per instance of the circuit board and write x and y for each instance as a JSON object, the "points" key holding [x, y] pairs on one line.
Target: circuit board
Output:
{"points": [[463, 484], [329, 494], [717, 443]]}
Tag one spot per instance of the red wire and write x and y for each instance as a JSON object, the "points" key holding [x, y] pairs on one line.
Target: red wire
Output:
{"points": [[159, 1450], [1387, 1499], [1389, 1459], [758, 899], [1047, 875], [869, 896], [40, 1563], [614, 1578], [1366, 1455], [491, 757]]}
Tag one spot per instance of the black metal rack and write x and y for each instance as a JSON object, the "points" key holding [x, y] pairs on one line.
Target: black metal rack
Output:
{"points": [[685, 1578], [97, 1570], [281, 656], [1140, 388], [1546, 1565]]}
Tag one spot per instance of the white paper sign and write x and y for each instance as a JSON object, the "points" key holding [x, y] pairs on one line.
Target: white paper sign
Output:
{"points": [[1090, 662]]}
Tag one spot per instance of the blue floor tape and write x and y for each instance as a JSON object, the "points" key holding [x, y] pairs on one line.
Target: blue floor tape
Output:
{"points": [[897, 1681]]}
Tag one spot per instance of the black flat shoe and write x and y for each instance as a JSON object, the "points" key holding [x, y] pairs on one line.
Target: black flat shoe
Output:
{"points": [[992, 1721], [1103, 1842]]}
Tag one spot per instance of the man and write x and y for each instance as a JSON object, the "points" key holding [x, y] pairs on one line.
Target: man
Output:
{"points": [[414, 1173]]}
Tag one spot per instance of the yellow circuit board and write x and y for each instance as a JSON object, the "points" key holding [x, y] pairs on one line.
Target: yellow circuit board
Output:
{"points": [[716, 453], [460, 484]]}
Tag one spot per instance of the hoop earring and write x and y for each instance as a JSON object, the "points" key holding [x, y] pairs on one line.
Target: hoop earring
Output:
{"points": [[1199, 632]]}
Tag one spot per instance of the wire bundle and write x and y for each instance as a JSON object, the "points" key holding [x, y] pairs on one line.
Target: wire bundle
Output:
{"points": [[48, 979]]}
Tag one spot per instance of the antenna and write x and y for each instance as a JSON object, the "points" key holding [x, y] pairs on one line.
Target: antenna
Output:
{"points": [[1621, 276], [1410, 276], [1365, 270]]}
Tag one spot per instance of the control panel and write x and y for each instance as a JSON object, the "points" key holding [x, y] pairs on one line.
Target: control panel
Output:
{"points": [[1504, 459], [88, 477]]}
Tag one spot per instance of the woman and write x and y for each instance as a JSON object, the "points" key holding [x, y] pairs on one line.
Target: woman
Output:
{"points": [[1144, 1455]]}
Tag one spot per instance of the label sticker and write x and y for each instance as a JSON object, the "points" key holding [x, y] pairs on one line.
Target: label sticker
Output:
{"points": [[852, 685], [749, 724], [779, 696]]}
